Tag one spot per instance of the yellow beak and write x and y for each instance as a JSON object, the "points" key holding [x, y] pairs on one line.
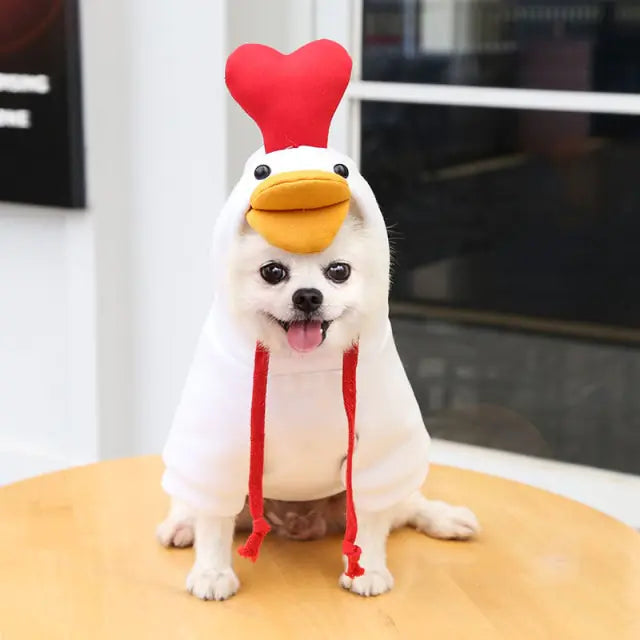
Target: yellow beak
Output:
{"points": [[300, 211]]}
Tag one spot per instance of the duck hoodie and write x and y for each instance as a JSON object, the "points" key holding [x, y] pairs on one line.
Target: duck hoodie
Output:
{"points": [[304, 427]]}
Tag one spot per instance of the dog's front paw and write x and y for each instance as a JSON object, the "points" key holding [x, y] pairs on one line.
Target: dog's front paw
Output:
{"points": [[372, 583], [175, 533], [208, 584]]}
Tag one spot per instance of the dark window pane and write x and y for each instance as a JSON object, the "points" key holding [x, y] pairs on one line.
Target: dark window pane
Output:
{"points": [[552, 397], [517, 215], [587, 45], [533, 213]]}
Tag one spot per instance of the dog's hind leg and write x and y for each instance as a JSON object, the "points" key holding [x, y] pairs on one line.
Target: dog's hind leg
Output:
{"points": [[436, 519], [177, 530]]}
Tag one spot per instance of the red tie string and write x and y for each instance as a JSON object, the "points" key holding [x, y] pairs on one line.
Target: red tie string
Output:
{"points": [[349, 547], [261, 527]]}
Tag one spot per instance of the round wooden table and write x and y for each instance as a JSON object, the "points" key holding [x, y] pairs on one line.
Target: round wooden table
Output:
{"points": [[78, 560]]}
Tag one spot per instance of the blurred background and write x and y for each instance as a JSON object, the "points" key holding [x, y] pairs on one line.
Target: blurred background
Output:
{"points": [[502, 138]]}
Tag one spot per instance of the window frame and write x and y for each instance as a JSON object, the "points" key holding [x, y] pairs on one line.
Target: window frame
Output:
{"points": [[342, 21]]}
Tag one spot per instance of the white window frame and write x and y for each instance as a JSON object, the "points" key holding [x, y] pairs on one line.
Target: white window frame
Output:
{"points": [[614, 493]]}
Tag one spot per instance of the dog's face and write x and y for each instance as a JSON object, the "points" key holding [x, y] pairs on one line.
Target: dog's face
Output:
{"points": [[303, 303]]}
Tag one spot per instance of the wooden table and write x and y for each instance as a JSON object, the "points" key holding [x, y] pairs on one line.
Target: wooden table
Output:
{"points": [[78, 560]]}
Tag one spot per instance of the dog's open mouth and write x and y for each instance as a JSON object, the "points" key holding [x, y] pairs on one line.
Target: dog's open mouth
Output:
{"points": [[305, 335]]}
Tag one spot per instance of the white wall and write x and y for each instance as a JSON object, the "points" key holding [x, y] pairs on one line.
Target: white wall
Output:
{"points": [[35, 429], [99, 310], [65, 303], [52, 263], [106, 300], [179, 177]]}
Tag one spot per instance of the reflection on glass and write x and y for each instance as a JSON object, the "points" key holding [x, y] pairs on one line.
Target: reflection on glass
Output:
{"points": [[529, 213], [553, 397], [587, 45], [532, 213]]}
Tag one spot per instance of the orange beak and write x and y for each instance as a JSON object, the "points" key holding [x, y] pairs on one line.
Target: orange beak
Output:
{"points": [[300, 211]]}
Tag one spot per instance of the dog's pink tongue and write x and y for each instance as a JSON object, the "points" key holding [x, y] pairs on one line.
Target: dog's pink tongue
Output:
{"points": [[305, 336]]}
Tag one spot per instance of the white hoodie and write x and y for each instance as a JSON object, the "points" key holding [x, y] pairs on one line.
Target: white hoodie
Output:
{"points": [[207, 453]]}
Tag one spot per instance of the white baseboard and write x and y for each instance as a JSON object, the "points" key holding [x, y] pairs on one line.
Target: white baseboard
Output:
{"points": [[617, 494], [18, 463]]}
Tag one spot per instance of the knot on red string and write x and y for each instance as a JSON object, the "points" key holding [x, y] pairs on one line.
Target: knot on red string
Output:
{"points": [[251, 547], [352, 552]]}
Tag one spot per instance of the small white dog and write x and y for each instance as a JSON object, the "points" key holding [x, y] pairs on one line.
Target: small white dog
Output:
{"points": [[307, 309]]}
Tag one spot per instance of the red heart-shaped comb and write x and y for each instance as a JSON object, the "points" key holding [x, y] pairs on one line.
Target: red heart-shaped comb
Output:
{"points": [[291, 97]]}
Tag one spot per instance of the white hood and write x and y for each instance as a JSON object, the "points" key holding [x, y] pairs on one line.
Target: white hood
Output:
{"points": [[207, 454], [232, 218]]}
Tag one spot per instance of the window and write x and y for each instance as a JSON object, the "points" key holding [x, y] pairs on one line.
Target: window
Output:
{"points": [[502, 140], [532, 213]]}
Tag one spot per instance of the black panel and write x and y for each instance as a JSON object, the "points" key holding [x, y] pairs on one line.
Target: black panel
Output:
{"points": [[41, 142]]}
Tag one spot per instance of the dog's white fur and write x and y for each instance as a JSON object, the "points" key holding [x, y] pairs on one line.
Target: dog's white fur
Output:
{"points": [[349, 306]]}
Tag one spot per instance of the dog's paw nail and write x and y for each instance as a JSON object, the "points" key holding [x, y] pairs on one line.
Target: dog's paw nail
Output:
{"points": [[183, 536], [456, 523], [372, 583], [175, 534], [208, 584], [464, 523], [345, 581]]}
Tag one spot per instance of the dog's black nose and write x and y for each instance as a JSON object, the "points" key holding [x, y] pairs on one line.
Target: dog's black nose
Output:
{"points": [[307, 300]]}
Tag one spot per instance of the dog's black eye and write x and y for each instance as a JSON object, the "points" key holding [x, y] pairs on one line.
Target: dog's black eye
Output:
{"points": [[338, 272], [274, 272], [262, 171], [341, 170]]}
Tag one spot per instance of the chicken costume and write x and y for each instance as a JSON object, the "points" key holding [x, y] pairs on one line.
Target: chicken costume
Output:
{"points": [[255, 424]]}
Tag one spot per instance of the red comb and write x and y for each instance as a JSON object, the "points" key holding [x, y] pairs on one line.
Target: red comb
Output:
{"points": [[292, 98]]}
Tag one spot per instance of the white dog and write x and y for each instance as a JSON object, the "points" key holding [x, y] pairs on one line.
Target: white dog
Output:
{"points": [[306, 309]]}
